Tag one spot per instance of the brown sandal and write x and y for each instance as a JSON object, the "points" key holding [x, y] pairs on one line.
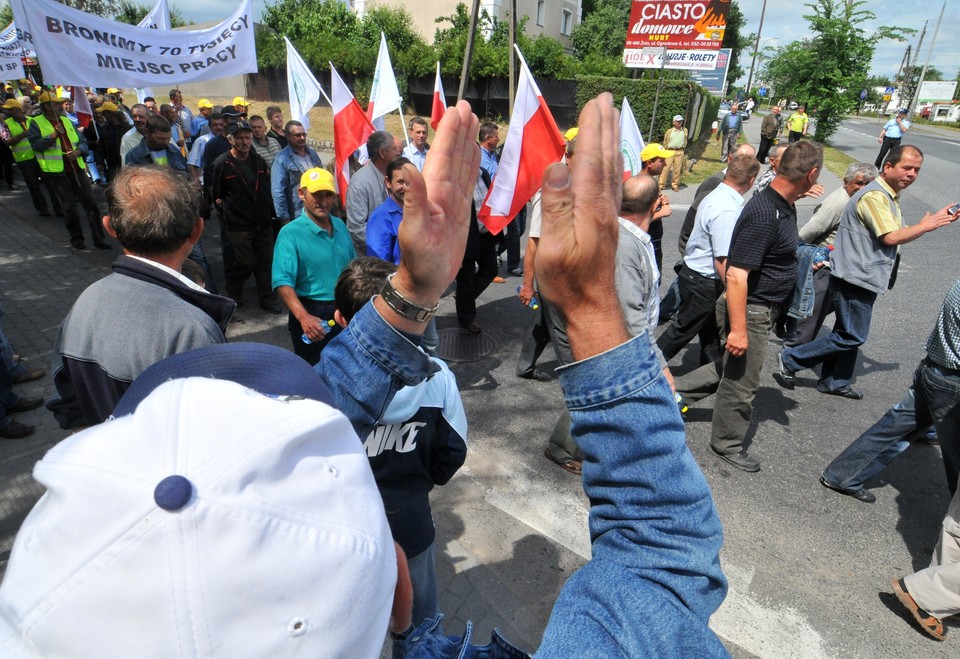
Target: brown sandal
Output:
{"points": [[928, 623]]}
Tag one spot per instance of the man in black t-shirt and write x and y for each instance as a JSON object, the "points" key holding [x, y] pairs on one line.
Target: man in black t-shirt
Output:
{"points": [[761, 274]]}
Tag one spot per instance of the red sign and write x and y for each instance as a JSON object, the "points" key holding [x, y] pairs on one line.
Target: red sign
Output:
{"points": [[677, 24]]}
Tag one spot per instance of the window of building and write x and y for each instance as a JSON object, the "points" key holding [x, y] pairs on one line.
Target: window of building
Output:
{"points": [[566, 21], [541, 9]]}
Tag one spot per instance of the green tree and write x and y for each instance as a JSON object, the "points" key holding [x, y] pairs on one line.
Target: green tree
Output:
{"points": [[104, 8], [736, 42], [599, 38], [6, 15], [828, 70], [132, 13]]}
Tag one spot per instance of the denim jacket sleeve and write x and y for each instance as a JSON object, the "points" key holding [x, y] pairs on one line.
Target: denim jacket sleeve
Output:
{"points": [[278, 187], [654, 578], [367, 363]]}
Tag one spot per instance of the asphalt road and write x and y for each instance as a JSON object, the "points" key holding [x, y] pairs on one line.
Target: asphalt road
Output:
{"points": [[809, 569]]}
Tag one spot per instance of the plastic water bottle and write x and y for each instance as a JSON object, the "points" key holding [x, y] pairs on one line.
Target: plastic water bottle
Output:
{"points": [[681, 404], [822, 253], [323, 323], [534, 303]]}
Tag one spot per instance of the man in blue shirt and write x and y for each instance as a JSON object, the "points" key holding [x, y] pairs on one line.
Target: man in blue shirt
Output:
{"points": [[489, 138], [384, 223], [891, 134], [417, 149], [308, 257]]}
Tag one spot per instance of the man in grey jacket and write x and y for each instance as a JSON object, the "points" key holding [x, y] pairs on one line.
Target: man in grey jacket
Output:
{"points": [[146, 310], [863, 264], [821, 231]]}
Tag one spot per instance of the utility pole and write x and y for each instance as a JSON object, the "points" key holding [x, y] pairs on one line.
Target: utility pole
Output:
{"points": [[933, 43], [907, 91], [756, 47], [512, 79], [468, 53]]}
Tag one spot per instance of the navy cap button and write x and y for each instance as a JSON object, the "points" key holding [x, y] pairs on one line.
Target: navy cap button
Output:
{"points": [[173, 492]]}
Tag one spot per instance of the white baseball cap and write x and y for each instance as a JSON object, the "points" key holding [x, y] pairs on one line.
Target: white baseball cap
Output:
{"points": [[213, 519], [678, 117]]}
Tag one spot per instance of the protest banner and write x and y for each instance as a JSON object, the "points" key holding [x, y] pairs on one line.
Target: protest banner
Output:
{"points": [[678, 25], [72, 45]]}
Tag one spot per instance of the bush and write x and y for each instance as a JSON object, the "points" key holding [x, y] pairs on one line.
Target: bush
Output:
{"points": [[674, 98]]}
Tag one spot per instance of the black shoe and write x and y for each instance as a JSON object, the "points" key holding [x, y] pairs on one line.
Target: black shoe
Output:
{"points": [[742, 460], [272, 306], [78, 244], [30, 375], [846, 392], [25, 405], [859, 494], [102, 244], [785, 378], [16, 430], [535, 374], [43, 213]]}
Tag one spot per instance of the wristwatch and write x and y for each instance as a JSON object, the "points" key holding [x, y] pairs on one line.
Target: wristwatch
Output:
{"points": [[403, 306]]}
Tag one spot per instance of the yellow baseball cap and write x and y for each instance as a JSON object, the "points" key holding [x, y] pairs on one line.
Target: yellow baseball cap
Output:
{"points": [[239, 100], [47, 97], [114, 90], [108, 107], [652, 151], [317, 180], [11, 104], [204, 103], [570, 134]]}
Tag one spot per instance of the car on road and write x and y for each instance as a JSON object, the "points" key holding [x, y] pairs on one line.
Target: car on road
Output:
{"points": [[724, 110]]}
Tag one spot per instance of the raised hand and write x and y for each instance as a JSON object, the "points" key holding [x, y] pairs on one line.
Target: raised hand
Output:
{"points": [[436, 208], [578, 242]]}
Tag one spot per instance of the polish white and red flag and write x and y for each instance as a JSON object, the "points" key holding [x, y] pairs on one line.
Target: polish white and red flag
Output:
{"points": [[533, 143], [81, 105], [439, 101], [351, 128], [631, 141]]}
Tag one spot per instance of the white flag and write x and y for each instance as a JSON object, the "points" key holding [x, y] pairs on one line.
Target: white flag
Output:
{"points": [[303, 88], [631, 141], [384, 94], [73, 45], [157, 18]]}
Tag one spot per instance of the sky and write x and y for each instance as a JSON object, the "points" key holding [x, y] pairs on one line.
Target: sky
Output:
{"points": [[782, 24]]}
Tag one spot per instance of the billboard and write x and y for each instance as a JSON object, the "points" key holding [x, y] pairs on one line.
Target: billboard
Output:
{"points": [[689, 60], [937, 91], [676, 25], [714, 81]]}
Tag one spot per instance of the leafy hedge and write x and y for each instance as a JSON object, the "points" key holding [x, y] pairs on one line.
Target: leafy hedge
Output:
{"points": [[675, 98]]}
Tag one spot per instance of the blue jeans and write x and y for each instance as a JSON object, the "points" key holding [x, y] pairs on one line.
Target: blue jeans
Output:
{"points": [[933, 398], [837, 351], [423, 576]]}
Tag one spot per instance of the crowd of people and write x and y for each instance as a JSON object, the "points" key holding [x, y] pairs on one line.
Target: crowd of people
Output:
{"points": [[361, 283]]}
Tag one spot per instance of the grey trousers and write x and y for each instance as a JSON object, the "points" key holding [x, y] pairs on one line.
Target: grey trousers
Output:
{"points": [[936, 589], [735, 380]]}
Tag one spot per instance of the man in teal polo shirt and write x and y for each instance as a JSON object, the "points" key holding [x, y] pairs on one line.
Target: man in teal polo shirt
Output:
{"points": [[308, 257]]}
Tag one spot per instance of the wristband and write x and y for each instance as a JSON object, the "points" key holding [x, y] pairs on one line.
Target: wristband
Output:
{"points": [[403, 306]]}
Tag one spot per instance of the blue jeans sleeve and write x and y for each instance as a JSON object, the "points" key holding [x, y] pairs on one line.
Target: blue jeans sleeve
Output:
{"points": [[654, 578], [367, 363]]}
